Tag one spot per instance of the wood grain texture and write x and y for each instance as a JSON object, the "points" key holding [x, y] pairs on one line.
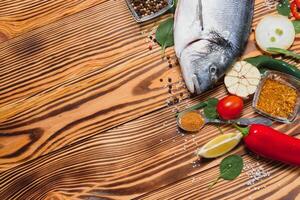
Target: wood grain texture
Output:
{"points": [[145, 157], [20, 16], [83, 115], [76, 78]]}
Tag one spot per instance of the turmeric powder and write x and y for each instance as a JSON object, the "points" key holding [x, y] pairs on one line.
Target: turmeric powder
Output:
{"points": [[191, 121], [277, 99]]}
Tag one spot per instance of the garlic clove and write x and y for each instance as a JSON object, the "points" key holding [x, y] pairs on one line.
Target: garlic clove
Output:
{"points": [[231, 80]]}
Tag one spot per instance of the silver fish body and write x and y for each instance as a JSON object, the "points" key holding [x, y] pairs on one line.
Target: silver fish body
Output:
{"points": [[209, 36]]}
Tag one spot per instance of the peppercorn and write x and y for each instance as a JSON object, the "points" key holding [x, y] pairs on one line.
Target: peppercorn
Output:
{"points": [[148, 7], [176, 100]]}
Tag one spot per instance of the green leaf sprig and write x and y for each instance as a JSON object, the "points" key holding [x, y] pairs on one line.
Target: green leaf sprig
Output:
{"points": [[230, 168], [296, 24], [164, 34], [173, 8], [284, 52], [210, 111], [210, 103], [283, 8]]}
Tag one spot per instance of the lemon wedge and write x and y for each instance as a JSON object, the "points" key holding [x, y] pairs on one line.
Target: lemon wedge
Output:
{"points": [[219, 145]]}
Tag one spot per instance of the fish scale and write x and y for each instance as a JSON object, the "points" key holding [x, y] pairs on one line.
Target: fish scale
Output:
{"points": [[209, 36]]}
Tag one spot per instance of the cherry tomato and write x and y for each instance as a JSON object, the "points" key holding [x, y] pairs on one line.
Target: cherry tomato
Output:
{"points": [[295, 9], [297, 3], [230, 107]]}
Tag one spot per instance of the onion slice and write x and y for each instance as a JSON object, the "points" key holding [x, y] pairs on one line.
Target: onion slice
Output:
{"points": [[275, 31]]}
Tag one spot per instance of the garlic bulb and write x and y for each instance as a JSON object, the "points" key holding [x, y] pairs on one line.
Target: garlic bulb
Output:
{"points": [[242, 79]]}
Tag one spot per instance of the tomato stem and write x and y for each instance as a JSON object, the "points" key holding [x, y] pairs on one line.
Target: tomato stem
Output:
{"points": [[243, 130]]}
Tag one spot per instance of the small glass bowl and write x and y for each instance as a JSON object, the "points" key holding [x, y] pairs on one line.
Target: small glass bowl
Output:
{"points": [[140, 19], [285, 79]]}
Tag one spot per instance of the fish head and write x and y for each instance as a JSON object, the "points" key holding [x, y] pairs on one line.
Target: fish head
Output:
{"points": [[202, 65]]}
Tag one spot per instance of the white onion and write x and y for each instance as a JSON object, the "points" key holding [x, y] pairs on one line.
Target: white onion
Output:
{"points": [[275, 31]]}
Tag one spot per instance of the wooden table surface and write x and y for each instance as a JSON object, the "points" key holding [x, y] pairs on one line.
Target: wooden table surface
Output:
{"points": [[85, 111]]}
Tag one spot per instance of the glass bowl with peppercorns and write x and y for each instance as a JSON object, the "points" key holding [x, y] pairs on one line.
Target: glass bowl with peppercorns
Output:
{"points": [[144, 10]]}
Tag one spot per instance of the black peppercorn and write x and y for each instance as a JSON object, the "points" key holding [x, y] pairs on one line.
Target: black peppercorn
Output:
{"points": [[148, 7]]}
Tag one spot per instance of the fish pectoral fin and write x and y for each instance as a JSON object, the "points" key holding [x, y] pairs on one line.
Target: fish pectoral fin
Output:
{"points": [[218, 39]]}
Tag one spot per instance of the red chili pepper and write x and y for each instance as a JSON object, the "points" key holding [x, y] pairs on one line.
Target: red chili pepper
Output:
{"points": [[295, 9], [270, 143]]}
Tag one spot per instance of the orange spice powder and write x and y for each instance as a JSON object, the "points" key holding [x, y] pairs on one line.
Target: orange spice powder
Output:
{"points": [[191, 121], [277, 99]]}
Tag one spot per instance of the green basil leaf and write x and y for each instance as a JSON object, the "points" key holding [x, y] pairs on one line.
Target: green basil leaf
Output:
{"points": [[210, 112], [285, 52], [164, 34], [173, 8], [283, 8], [296, 24], [212, 102], [231, 167], [209, 108], [194, 107]]}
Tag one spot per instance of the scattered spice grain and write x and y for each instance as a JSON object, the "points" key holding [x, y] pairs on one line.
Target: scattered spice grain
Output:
{"points": [[176, 100]]}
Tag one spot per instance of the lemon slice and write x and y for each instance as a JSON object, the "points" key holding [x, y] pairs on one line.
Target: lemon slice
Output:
{"points": [[219, 145]]}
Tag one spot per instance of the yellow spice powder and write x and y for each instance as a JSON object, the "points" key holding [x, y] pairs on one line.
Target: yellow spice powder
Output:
{"points": [[191, 121], [277, 99]]}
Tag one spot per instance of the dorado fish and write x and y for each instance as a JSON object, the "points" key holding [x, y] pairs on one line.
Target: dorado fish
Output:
{"points": [[209, 36]]}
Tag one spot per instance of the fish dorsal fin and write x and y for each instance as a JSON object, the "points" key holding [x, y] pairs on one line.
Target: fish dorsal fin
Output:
{"points": [[200, 14]]}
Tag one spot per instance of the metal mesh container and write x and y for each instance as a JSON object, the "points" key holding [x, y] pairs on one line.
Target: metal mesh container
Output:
{"points": [[141, 19]]}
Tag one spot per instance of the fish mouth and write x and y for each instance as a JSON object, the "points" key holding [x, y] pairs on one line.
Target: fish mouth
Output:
{"points": [[191, 72], [196, 84]]}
